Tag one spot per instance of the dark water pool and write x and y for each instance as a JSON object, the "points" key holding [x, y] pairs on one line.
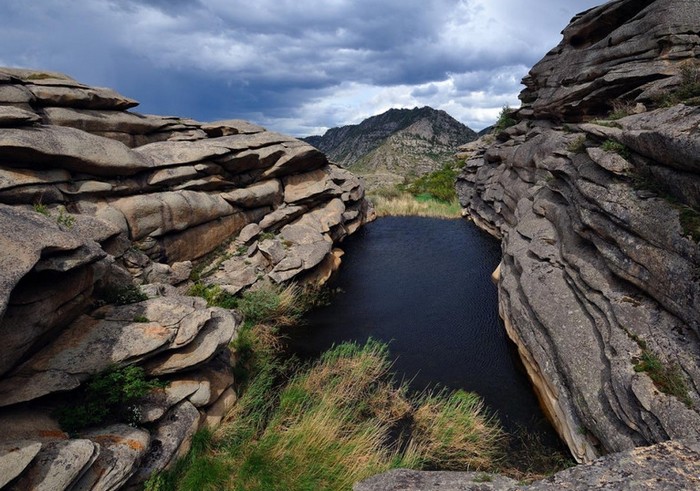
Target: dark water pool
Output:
{"points": [[424, 285]]}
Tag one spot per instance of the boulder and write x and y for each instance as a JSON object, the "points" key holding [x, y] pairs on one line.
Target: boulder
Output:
{"points": [[215, 335], [169, 441], [95, 121], [14, 116], [626, 49], [161, 213], [15, 456], [231, 127], [68, 148], [121, 335], [58, 465], [669, 465], [164, 154], [121, 450], [257, 195]]}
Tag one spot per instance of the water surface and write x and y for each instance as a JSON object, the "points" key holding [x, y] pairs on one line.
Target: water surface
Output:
{"points": [[424, 286]]}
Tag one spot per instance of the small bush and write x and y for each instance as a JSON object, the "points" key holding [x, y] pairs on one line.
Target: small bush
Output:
{"points": [[141, 318], [105, 398], [439, 185], [688, 91], [505, 119], [123, 296], [266, 236]]}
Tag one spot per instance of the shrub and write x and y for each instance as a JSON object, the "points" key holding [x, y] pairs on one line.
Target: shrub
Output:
{"points": [[107, 397], [688, 90], [123, 296], [505, 119], [690, 222], [439, 185]]}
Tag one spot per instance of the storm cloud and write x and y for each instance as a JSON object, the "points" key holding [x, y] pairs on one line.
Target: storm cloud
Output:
{"points": [[294, 66]]}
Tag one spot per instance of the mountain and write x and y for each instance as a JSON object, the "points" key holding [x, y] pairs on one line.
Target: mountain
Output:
{"points": [[398, 143]]}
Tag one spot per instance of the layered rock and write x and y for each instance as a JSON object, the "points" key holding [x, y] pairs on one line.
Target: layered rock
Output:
{"points": [[600, 223], [669, 465], [100, 205]]}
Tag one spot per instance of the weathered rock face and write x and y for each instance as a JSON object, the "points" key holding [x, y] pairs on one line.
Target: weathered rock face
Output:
{"points": [[668, 466], [600, 222], [625, 49], [94, 198]]}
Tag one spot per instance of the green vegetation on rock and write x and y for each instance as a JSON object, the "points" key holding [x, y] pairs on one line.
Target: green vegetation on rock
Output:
{"points": [[107, 397], [123, 296], [667, 377], [505, 119]]}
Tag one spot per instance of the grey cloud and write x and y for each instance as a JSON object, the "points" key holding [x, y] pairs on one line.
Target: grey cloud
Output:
{"points": [[273, 60]]}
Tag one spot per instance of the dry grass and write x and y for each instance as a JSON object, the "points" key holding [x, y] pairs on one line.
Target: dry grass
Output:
{"points": [[406, 204], [335, 423], [451, 431]]}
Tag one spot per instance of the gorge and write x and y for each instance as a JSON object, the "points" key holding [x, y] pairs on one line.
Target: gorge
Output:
{"points": [[594, 194]]}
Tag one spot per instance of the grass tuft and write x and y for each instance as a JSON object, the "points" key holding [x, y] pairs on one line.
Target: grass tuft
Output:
{"points": [[452, 432], [617, 147], [667, 377]]}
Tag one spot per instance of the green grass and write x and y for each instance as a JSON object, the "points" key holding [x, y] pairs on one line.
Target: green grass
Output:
{"points": [[214, 295], [690, 222], [331, 423], [667, 377], [405, 204], [617, 147], [41, 208]]}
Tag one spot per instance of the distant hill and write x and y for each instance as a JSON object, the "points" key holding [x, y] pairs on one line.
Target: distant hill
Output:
{"points": [[396, 144]]}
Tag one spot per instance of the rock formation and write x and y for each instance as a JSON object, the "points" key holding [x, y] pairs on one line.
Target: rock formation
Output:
{"points": [[400, 143], [101, 207], [669, 465], [600, 221]]}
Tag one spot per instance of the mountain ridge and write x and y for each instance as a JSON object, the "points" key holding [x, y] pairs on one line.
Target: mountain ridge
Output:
{"points": [[395, 144]]}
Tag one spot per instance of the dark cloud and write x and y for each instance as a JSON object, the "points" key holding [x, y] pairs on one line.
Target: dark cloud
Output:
{"points": [[297, 65]]}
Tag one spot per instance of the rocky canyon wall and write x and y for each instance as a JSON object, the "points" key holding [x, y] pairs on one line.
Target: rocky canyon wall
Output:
{"points": [[99, 206], [595, 194]]}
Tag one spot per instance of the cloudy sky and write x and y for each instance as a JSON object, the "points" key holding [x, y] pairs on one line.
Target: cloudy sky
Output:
{"points": [[296, 66]]}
